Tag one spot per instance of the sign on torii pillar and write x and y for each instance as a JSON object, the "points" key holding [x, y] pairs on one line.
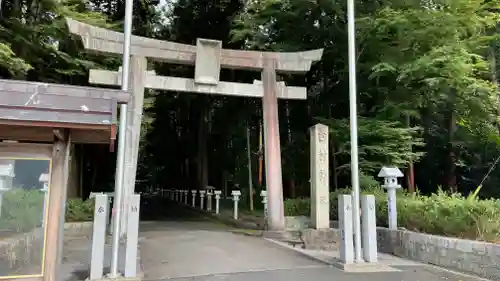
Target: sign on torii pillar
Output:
{"points": [[208, 57]]}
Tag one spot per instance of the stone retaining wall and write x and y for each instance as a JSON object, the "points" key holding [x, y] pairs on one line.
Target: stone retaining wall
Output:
{"points": [[477, 257], [470, 256]]}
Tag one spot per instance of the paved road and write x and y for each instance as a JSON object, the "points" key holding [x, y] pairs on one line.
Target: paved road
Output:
{"points": [[182, 246]]}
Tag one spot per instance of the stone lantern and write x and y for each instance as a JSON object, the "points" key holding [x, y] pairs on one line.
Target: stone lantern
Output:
{"points": [[236, 198], [391, 175]]}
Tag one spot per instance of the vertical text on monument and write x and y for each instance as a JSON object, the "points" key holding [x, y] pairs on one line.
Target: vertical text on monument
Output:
{"points": [[320, 205]]}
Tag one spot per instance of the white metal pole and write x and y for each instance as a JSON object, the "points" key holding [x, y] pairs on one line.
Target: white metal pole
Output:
{"points": [[120, 161], [351, 31]]}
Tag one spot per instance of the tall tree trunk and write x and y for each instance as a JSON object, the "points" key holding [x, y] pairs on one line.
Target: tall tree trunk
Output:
{"points": [[334, 164], [291, 180], [249, 166], [410, 173], [451, 177], [202, 149], [332, 149], [261, 153], [494, 78]]}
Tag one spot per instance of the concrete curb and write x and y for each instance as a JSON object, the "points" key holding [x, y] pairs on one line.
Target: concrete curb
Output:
{"points": [[303, 253], [333, 262]]}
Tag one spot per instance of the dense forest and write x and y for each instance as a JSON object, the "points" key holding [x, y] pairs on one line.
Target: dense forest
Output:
{"points": [[428, 100]]}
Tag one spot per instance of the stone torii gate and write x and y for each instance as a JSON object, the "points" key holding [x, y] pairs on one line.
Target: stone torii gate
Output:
{"points": [[208, 57]]}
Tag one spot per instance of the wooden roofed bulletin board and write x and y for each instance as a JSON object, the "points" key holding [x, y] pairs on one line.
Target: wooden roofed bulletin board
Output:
{"points": [[38, 123]]}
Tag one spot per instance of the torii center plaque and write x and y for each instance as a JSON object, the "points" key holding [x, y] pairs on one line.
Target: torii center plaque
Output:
{"points": [[208, 57]]}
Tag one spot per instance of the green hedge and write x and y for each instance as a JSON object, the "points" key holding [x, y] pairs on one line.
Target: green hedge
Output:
{"points": [[440, 214], [22, 210]]}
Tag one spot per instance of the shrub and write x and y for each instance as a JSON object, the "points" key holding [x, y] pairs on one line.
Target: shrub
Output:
{"points": [[440, 214], [79, 210], [22, 210]]}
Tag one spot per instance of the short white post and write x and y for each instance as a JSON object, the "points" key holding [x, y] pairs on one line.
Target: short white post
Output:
{"points": [[369, 228], [236, 198], [263, 194], [391, 176], [98, 236], [193, 201], [217, 199], [132, 236], [202, 199], [186, 192], [346, 229], [209, 200], [6, 176]]}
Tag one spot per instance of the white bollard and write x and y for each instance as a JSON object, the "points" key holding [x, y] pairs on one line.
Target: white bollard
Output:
{"points": [[193, 201], [236, 198], [202, 198], [186, 196], [217, 199], [98, 237], [346, 229], [369, 228], [391, 176], [263, 194], [209, 200], [132, 236]]}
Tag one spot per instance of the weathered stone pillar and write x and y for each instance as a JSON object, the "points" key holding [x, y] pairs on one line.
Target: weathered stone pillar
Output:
{"points": [[138, 72]]}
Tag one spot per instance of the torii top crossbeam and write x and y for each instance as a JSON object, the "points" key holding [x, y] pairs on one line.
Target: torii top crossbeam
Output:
{"points": [[107, 41]]}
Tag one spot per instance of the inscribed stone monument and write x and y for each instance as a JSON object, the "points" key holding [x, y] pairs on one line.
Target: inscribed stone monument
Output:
{"points": [[320, 202]]}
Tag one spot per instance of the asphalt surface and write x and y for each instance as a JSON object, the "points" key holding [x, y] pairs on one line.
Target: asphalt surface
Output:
{"points": [[178, 244]]}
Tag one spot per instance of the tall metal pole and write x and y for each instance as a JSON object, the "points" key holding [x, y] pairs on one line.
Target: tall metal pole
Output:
{"points": [[120, 159], [351, 31]]}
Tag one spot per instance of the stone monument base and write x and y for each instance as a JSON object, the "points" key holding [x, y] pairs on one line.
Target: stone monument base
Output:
{"points": [[362, 267], [119, 278]]}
